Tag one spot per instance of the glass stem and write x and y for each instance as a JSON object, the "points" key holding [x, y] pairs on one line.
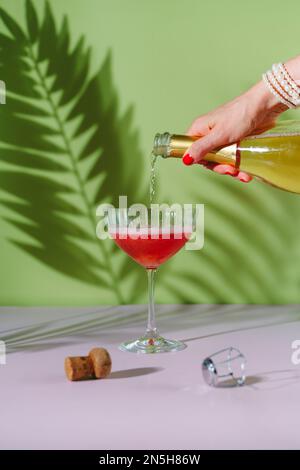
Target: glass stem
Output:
{"points": [[152, 331]]}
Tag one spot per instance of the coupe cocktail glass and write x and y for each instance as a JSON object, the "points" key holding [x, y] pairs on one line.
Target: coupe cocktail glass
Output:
{"points": [[150, 244]]}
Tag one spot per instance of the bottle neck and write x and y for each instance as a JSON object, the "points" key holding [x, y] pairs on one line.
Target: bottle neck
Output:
{"points": [[173, 145]]}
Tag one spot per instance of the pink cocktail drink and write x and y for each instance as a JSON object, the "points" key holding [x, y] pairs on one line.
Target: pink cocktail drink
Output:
{"points": [[151, 250], [150, 244]]}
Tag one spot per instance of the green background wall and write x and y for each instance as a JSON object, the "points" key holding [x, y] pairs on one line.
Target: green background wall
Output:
{"points": [[172, 60]]}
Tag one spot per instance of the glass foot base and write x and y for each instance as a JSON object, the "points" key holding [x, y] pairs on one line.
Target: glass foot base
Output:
{"points": [[152, 345]]}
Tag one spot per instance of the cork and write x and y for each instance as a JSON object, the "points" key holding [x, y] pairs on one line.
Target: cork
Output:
{"points": [[79, 368], [97, 365], [101, 361]]}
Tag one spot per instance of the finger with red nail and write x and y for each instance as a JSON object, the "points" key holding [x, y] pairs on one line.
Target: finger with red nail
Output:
{"points": [[188, 159]]}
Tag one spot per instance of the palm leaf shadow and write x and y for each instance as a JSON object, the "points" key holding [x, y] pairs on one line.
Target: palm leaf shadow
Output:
{"points": [[64, 149]]}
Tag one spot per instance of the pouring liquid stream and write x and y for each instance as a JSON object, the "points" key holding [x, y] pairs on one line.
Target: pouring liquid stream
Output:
{"points": [[152, 178]]}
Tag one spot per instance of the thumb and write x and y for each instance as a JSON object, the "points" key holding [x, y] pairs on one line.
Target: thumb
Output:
{"points": [[204, 145]]}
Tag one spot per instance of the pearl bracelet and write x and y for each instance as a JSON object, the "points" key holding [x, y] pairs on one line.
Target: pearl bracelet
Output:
{"points": [[279, 68], [274, 92], [282, 85], [286, 82], [277, 84]]}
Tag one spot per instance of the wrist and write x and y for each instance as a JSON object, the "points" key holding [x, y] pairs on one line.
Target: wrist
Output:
{"points": [[264, 100]]}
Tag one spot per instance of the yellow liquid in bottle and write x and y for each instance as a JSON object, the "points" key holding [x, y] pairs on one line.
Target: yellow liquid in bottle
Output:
{"points": [[273, 157], [275, 160]]}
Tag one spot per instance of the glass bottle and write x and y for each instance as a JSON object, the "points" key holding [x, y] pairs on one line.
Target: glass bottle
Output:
{"points": [[272, 157]]}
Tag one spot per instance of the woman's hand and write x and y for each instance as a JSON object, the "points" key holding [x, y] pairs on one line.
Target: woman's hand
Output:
{"points": [[253, 112]]}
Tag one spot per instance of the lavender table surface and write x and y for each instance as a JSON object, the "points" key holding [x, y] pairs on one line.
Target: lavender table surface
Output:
{"points": [[149, 402]]}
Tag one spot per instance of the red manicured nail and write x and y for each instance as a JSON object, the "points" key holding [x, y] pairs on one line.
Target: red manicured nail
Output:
{"points": [[187, 159]]}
